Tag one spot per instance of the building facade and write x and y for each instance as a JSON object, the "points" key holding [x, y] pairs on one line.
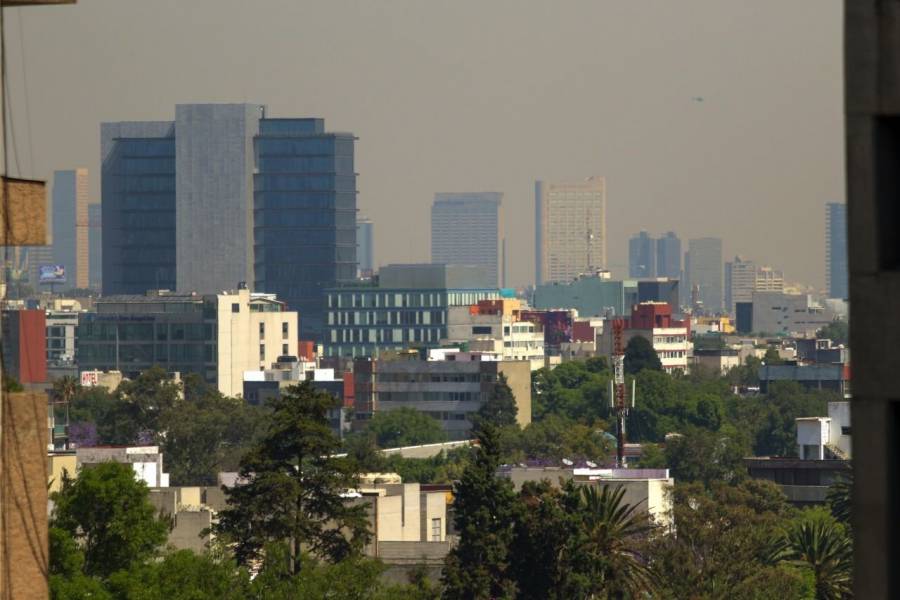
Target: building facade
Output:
{"points": [[224, 194], [668, 256], [642, 256], [450, 391], [570, 229], [70, 228], [777, 313], [465, 230], [495, 326], [404, 307], [217, 336], [653, 321], [95, 246], [704, 272], [836, 250], [365, 247], [590, 295], [743, 277], [24, 343]]}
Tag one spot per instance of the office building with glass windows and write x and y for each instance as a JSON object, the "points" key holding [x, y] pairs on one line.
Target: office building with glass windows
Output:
{"points": [[465, 229], [641, 256], [404, 307], [836, 250], [668, 256], [218, 336], [223, 195], [703, 264], [365, 247]]}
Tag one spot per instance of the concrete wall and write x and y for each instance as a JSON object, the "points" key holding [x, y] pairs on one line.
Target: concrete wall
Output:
{"points": [[23, 497], [518, 376]]}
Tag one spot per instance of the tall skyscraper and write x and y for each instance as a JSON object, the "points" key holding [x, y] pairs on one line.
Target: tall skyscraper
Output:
{"points": [[223, 195], [836, 250], [95, 246], [642, 256], [69, 212], [668, 257], [705, 271], [465, 229], [743, 277], [365, 247], [570, 229]]}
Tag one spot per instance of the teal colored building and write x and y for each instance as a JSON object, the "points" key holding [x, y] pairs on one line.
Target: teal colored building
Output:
{"points": [[590, 296]]}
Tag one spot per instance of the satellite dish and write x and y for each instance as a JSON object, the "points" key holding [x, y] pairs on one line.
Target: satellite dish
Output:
{"points": [[592, 465], [567, 462]]}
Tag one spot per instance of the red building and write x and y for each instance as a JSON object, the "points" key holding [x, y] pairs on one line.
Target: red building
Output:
{"points": [[25, 345]]}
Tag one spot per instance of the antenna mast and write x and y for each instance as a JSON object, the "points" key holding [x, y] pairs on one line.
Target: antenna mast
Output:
{"points": [[618, 359]]}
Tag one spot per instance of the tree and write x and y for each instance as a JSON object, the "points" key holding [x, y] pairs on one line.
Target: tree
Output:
{"points": [[772, 357], [723, 534], [65, 388], [840, 499], [639, 355], [108, 512], [837, 331], [486, 511], [824, 546], [201, 432], [603, 555], [705, 456], [500, 409], [293, 486], [541, 532], [182, 575], [405, 427]]}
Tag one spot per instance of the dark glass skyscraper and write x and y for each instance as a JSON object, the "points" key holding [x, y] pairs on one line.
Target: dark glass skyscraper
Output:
{"points": [[304, 215], [224, 195], [642, 256], [836, 249], [668, 256], [365, 246], [138, 206]]}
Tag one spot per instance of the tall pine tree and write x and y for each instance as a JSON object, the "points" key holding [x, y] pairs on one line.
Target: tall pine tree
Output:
{"points": [[486, 512], [500, 409], [292, 487]]}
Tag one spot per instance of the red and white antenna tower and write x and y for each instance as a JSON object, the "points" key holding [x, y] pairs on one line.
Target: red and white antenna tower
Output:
{"points": [[618, 359]]}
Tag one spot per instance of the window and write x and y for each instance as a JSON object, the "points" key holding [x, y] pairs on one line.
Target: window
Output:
{"points": [[436, 530], [235, 307], [481, 329], [262, 331], [262, 352], [284, 330], [284, 350]]}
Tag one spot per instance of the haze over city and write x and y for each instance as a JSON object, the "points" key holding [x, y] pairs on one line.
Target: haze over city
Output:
{"points": [[707, 117]]}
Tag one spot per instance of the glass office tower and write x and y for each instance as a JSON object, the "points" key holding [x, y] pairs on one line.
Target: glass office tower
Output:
{"points": [[836, 250], [224, 195], [304, 215], [138, 207], [641, 256], [668, 256]]}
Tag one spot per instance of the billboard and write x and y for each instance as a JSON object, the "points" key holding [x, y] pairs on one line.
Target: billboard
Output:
{"points": [[90, 378], [52, 274]]}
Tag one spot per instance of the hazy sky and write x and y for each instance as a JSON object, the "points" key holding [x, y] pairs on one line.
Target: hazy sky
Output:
{"points": [[484, 95]]}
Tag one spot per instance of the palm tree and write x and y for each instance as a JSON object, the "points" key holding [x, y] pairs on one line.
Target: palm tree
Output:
{"points": [[823, 546], [604, 556], [65, 388], [840, 499]]}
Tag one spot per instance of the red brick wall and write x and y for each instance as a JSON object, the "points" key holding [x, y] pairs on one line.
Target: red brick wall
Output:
{"points": [[32, 346]]}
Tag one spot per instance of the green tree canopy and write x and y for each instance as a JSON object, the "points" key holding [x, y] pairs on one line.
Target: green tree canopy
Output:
{"points": [[706, 456], [640, 355], [500, 409], [293, 486], [479, 567], [405, 427], [108, 513], [837, 331]]}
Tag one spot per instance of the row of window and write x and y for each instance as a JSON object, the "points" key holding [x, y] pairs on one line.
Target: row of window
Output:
{"points": [[386, 317], [385, 336], [413, 397], [366, 299], [383, 377]]}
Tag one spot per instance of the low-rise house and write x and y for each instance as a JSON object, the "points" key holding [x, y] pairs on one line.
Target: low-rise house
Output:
{"points": [[653, 320]]}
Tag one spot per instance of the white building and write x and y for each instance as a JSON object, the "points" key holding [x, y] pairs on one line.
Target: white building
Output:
{"points": [[776, 313], [499, 332], [743, 277], [819, 438]]}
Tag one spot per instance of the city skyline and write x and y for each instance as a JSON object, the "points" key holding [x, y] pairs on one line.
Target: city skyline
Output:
{"points": [[697, 151]]}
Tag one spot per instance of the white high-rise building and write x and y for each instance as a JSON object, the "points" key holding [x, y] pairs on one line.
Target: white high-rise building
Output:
{"points": [[465, 230], [743, 277], [570, 229]]}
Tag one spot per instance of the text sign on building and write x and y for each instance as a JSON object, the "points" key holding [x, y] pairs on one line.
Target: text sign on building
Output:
{"points": [[90, 378], [52, 274]]}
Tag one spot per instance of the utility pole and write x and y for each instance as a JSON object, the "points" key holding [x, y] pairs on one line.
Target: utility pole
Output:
{"points": [[618, 360]]}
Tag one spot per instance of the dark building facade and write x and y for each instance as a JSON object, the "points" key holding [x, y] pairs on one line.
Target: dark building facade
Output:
{"points": [[641, 256], [668, 256], [223, 195], [836, 249]]}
